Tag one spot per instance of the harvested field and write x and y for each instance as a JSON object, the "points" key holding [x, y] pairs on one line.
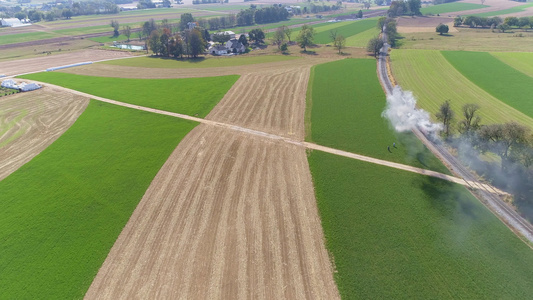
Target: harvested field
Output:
{"points": [[423, 24], [494, 5], [228, 216], [272, 101], [44, 62], [30, 122]]}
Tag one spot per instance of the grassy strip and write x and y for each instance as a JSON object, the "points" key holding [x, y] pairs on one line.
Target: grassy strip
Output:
{"points": [[347, 102], [497, 78], [512, 10], [361, 40], [450, 7], [210, 62], [434, 80], [109, 39], [26, 37], [346, 30], [190, 96], [522, 61], [62, 212], [400, 235]]}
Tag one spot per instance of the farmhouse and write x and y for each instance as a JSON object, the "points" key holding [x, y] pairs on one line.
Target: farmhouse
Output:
{"points": [[218, 50], [234, 46]]}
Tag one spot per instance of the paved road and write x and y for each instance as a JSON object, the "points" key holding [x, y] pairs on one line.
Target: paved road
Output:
{"points": [[487, 194]]}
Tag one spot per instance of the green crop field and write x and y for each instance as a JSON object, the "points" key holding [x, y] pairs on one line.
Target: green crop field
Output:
{"points": [[400, 235], [190, 96], [344, 109], [272, 26], [434, 80], [450, 7], [361, 39], [109, 39], [26, 37], [62, 212], [512, 10], [494, 76], [218, 8], [210, 62], [346, 29], [522, 61]]}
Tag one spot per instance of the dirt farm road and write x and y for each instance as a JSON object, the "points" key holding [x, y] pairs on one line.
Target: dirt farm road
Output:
{"points": [[295, 142]]}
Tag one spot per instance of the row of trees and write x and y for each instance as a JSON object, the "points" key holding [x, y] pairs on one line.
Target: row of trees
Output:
{"points": [[67, 10], [188, 42], [494, 22], [269, 14], [387, 26], [409, 7]]}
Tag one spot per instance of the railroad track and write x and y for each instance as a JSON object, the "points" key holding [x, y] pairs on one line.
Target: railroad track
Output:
{"points": [[487, 194]]}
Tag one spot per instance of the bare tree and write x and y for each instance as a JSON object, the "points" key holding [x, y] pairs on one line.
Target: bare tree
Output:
{"points": [[471, 121], [279, 37], [126, 31], [446, 115], [333, 35], [339, 43], [287, 32]]}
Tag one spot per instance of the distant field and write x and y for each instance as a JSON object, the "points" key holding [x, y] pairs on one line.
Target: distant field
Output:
{"points": [[109, 39], [219, 7], [399, 235], [512, 10], [346, 30], [62, 211], [522, 61], [190, 96], [344, 109], [25, 37], [450, 7], [272, 26], [211, 62], [494, 76], [434, 80], [470, 39], [361, 39]]}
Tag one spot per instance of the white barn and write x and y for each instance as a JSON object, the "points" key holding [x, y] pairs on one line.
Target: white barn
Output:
{"points": [[11, 22]]}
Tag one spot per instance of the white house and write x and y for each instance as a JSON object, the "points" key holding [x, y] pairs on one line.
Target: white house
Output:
{"points": [[218, 50], [234, 46]]}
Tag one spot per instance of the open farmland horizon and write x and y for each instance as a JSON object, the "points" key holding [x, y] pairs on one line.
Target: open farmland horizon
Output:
{"points": [[267, 175]]}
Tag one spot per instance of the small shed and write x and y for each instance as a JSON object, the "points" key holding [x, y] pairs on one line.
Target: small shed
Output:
{"points": [[11, 22]]}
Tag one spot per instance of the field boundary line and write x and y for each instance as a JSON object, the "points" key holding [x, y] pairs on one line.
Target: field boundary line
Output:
{"points": [[272, 137]]}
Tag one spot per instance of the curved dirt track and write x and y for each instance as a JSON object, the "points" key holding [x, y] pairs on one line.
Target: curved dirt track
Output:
{"points": [[30, 122], [229, 216]]}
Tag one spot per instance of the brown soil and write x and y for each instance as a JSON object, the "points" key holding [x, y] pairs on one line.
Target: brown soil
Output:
{"points": [[423, 24], [30, 122], [42, 63], [230, 215]]}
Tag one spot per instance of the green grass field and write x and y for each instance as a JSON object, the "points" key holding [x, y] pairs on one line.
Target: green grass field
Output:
{"points": [[346, 29], [344, 109], [62, 211], [512, 10], [110, 39], [272, 26], [190, 96], [400, 235], [361, 40], [450, 7], [434, 80], [494, 76], [210, 62], [522, 61], [26, 37]]}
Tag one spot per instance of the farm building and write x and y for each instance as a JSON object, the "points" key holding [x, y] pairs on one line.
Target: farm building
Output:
{"points": [[230, 33], [12, 22], [24, 87], [218, 50]]}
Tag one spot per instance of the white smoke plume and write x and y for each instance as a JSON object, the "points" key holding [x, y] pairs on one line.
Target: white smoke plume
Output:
{"points": [[402, 113]]}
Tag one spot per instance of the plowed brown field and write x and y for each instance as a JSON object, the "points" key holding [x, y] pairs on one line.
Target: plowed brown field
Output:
{"points": [[30, 122], [230, 215]]}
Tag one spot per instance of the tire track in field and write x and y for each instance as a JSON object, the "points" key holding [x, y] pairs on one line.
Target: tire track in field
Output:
{"points": [[30, 122], [228, 216]]}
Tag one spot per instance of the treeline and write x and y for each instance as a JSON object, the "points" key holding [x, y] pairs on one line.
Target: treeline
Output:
{"points": [[400, 8], [219, 23], [494, 22], [67, 10], [208, 1], [511, 141], [145, 4], [253, 15], [322, 8], [188, 42]]}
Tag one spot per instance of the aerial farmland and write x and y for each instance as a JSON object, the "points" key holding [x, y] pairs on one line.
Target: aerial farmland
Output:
{"points": [[266, 150]]}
